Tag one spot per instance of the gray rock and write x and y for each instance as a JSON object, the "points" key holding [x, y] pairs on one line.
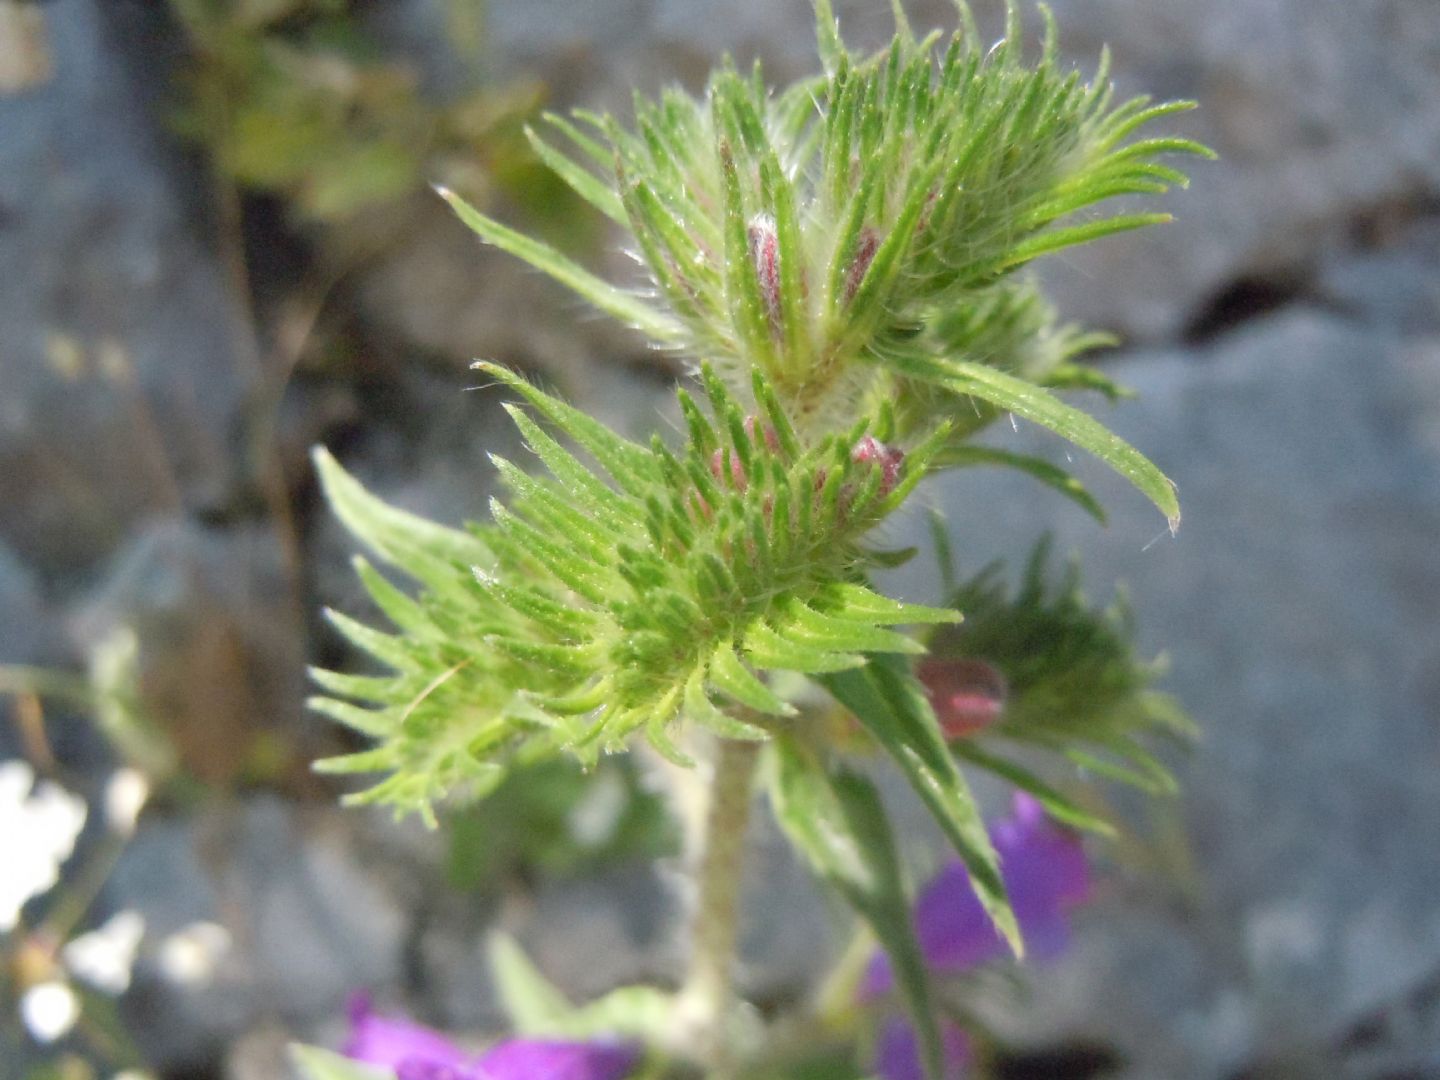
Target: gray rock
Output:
{"points": [[1395, 287], [424, 446], [310, 921], [220, 655], [28, 634], [1321, 113], [612, 929], [124, 354], [449, 298], [790, 927], [1297, 606]]}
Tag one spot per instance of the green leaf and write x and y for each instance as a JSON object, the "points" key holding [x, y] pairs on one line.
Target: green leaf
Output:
{"points": [[702, 710], [732, 678], [584, 183], [1058, 806], [856, 601], [809, 627], [766, 648], [411, 543], [631, 466], [1052, 240], [533, 1004], [838, 823], [892, 706], [314, 1063], [827, 35], [641, 1013], [1072, 376], [1052, 476], [1035, 404], [609, 299]]}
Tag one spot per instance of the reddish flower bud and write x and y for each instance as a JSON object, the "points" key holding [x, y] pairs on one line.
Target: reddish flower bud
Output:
{"points": [[967, 695], [738, 480], [772, 440], [865, 248], [765, 255], [889, 458]]}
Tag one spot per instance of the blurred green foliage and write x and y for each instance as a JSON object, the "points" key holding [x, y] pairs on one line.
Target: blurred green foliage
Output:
{"points": [[556, 819], [298, 99], [1077, 685]]}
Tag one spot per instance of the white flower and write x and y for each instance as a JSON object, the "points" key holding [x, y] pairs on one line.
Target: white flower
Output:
{"points": [[125, 797], [189, 956], [49, 1010], [38, 829], [104, 956]]}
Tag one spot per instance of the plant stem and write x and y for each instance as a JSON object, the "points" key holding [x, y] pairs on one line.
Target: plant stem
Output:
{"points": [[708, 1004]]}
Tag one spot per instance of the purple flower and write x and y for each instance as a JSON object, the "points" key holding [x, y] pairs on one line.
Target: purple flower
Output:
{"points": [[1045, 874], [529, 1059], [384, 1040], [416, 1052], [897, 1051]]}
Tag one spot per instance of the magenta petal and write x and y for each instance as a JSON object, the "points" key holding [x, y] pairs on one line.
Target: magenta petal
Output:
{"points": [[1045, 873], [383, 1040], [897, 1051], [530, 1059], [421, 1069]]}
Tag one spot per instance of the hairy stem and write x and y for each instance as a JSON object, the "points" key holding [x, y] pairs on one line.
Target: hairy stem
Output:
{"points": [[709, 992]]}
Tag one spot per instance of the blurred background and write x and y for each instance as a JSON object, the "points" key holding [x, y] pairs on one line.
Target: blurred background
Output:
{"points": [[218, 248]]}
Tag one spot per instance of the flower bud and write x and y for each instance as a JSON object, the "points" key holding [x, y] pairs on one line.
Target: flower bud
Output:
{"points": [[889, 458], [738, 480], [772, 440], [765, 254], [865, 248], [967, 695]]}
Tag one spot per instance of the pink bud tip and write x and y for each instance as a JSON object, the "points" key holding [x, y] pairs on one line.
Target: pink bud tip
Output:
{"points": [[765, 254], [772, 440], [865, 249], [967, 695], [737, 471], [871, 449]]}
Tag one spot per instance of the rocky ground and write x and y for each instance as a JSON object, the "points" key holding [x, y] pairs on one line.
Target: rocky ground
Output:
{"points": [[1279, 920]]}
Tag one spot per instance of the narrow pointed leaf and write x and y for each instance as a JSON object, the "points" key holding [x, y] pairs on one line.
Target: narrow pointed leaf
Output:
{"points": [[809, 627], [632, 467], [367, 722], [856, 601], [892, 706], [313, 1063], [702, 710], [1052, 476], [838, 823], [389, 649], [404, 540], [1051, 240], [1058, 806], [583, 182], [1039, 406], [732, 678], [766, 648], [533, 1004], [609, 299]]}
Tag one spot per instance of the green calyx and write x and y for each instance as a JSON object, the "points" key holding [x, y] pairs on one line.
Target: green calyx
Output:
{"points": [[602, 603], [857, 236]]}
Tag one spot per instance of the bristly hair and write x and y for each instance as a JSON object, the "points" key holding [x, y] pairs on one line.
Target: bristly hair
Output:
{"points": [[842, 261], [861, 236]]}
